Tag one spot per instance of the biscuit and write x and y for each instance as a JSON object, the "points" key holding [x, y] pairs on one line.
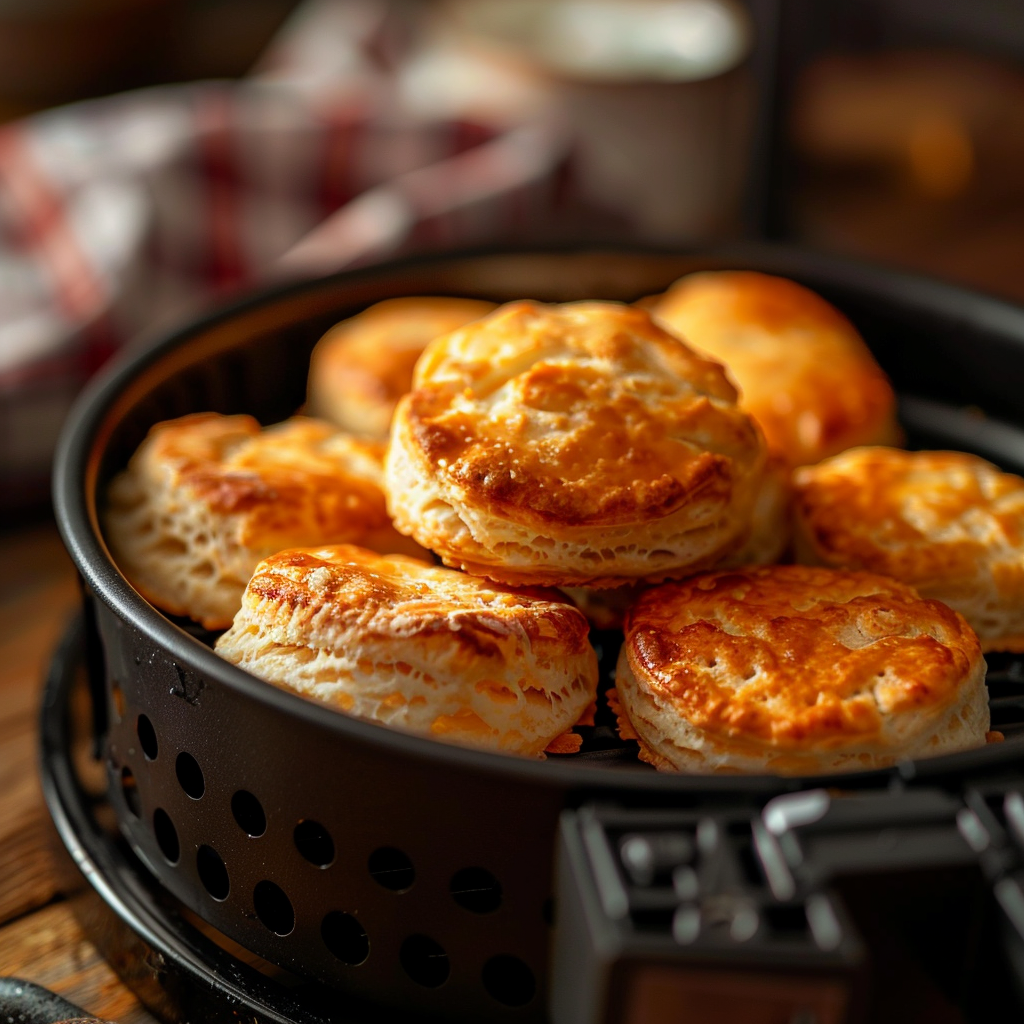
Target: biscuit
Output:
{"points": [[767, 543], [361, 367], [803, 371], [771, 523], [572, 445], [205, 497], [798, 671], [417, 647], [947, 523]]}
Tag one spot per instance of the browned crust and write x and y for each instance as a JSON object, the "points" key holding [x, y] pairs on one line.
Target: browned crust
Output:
{"points": [[362, 366], [348, 583], [948, 523], [623, 726], [766, 656], [803, 371], [568, 743], [279, 482], [206, 496], [889, 511], [582, 449]]}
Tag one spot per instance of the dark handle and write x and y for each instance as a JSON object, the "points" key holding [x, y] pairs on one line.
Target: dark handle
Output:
{"points": [[815, 908]]}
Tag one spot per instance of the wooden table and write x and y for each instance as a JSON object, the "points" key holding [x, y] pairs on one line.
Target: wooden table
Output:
{"points": [[39, 938]]}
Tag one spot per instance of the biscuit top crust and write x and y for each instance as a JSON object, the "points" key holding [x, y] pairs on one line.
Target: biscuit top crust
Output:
{"points": [[923, 517], [277, 482], [796, 656], [332, 590], [374, 353], [803, 371], [580, 414]]}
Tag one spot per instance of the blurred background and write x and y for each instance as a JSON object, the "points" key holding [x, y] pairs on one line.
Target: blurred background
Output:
{"points": [[212, 146]]}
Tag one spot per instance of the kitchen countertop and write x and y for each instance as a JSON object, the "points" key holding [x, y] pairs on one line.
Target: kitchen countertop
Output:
{"points": [[40, 940]]}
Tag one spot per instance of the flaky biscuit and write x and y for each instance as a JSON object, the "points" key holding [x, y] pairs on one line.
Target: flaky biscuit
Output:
{"points": [[205, 497], [572, 445], [771, 524], [798, 670], [361, 367], [766, 544], [947, 523], [418, 647], [803, 371]]}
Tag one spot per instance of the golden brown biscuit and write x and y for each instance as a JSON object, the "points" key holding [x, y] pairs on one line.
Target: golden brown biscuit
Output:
{"points": [[572, 445], [798, 670], [415, 646], [947, 523], [802, 369], [205, 497], [361, 367], [767, 542], [771, 526]]}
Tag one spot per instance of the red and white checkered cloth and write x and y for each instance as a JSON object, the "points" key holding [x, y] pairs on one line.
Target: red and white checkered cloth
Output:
{"points": [[121, 215]]}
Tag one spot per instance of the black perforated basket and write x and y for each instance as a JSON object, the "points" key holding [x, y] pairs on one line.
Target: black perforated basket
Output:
{"points": [[403, 871]]}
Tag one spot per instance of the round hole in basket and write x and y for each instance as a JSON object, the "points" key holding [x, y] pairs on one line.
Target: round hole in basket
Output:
{"points": [[314, 842], [508, 980], [147, 737], [425, 961], [248, 813], [345, 937], [190, 775], [273, 907], [392, 869], [166, 836], [476, 889], [213, 873]]}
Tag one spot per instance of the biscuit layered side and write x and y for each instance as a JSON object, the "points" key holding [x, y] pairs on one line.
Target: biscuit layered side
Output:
{"points": [[948, 523], [417, 647], [798, 670], [572, 445], [771, 524], [803, 371], [766, 543], [205, 497], [362, 366]]}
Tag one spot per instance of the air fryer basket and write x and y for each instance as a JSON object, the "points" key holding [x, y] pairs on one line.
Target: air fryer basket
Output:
{"points": [[405, 871]]}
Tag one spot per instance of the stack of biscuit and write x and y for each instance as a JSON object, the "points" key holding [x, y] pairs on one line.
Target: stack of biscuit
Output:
{"points": [[546, 465]]}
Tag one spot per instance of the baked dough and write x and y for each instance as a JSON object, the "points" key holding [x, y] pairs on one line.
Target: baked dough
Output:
{"points": [[948, 523], [361, 367], [798, 670], [206, 496], [418, 647], [572, 445], [802, 369], [766, 544], [771, 524]]}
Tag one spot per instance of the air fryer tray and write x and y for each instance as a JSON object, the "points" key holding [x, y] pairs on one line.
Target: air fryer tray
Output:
{"points": [[420, 875]]}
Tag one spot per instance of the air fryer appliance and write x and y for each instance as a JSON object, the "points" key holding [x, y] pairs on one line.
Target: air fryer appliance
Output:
{"points": [[247, 854]]}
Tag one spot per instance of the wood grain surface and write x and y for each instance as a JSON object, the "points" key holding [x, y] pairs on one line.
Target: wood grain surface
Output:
{"points": [[40, 940]]}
